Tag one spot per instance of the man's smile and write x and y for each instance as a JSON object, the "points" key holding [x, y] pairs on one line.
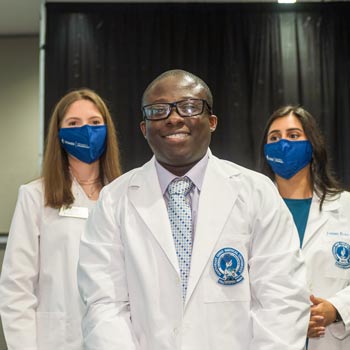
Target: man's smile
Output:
{"points": [[177, 135]]}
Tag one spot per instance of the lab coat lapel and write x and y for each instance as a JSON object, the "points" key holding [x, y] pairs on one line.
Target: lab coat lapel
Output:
{"points": [[318, 219], [146, 196], [216, 200]]}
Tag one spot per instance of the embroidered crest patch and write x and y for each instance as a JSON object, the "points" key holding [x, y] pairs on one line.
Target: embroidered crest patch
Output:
{"points": [[341, 253], [228, 264]]}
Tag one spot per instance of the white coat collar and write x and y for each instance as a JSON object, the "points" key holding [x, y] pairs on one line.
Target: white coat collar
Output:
{"points": [[146, 196], [216, 200], [319, 218]]}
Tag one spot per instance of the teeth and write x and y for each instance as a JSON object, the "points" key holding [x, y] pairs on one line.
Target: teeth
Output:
{"points": [[177, 136]]}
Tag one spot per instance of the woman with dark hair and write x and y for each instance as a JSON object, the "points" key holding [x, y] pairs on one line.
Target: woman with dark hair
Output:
{"points": [[293, 154], [40, 304]]}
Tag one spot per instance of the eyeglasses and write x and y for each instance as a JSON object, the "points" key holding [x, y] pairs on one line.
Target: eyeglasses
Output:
{"points": [[185, 108]]}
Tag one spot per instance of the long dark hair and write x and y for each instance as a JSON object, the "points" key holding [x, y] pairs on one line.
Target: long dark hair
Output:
{"points": [[323, 179]]}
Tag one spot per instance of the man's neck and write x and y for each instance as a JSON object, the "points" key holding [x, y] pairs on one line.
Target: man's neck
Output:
{"points": [[179, 170]]}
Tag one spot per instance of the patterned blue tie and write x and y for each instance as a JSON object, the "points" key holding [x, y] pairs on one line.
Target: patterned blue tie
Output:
{"points": [[180, 216]]}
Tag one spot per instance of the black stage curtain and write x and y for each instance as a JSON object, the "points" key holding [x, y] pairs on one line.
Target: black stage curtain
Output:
{"points": [[254, 58]]}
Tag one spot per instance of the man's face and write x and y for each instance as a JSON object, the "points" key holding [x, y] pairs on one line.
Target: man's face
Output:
{"points": [[178, 141]]}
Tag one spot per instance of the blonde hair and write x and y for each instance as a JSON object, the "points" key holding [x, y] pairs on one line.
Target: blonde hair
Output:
{"points": [[55, 173]]}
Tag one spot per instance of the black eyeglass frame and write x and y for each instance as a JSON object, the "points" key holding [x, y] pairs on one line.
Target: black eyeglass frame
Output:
{"points": [[174, 104]]}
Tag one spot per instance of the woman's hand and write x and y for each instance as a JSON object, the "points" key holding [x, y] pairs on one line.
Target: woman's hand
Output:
{"points": [[323, 313]]}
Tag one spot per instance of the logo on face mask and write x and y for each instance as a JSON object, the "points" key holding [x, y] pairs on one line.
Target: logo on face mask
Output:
{"points": [[86, 143], [286, 158]]}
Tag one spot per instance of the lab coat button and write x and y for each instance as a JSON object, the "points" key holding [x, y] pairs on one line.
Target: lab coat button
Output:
{"points": [[175, 331]]}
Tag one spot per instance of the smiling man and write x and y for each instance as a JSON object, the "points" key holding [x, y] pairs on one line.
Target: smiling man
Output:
{"points": [[190, 252], [178, 142]]}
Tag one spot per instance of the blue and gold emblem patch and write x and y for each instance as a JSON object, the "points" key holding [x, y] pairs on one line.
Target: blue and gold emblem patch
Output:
{"points": [[341, 253], [228, 264]]}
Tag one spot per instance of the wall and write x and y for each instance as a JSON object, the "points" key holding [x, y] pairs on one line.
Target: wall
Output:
{"points": [[19, 124], [19, 117]]}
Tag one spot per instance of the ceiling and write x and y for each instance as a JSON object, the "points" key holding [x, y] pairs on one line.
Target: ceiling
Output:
{"points": [[22, 17]]}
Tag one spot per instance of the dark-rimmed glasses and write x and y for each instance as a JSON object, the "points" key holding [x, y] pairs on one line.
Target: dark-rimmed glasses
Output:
{"points": [[185, 108]]}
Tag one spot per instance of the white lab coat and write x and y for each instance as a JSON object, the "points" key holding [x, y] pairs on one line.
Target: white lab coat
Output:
{"points": [[325, 278], [40, 305], [128, 271]]}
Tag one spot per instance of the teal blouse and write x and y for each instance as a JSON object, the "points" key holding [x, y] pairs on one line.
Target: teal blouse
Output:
{"points": [[300, 211]]}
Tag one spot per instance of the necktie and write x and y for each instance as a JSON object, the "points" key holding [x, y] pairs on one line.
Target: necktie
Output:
{"points": [[180, 217]]}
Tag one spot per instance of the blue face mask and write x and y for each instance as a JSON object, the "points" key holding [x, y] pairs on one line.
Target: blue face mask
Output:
{"points": [[86, 143], [286, 158]]}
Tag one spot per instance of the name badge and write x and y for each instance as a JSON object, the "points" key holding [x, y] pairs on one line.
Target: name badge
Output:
{"points": [[74, 212]]}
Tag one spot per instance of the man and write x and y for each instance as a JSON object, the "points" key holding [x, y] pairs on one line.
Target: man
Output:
{"points": [[214, 265]]}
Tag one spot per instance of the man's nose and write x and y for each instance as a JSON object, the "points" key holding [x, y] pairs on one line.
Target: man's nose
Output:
{"points": [[174, 116]]}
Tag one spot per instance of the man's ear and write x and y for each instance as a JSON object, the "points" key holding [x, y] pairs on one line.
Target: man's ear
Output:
{"points": [[213, 122], [143, 129]]}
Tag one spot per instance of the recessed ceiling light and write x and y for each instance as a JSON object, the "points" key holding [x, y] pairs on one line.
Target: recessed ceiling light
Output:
{"points": [[286, 1]]}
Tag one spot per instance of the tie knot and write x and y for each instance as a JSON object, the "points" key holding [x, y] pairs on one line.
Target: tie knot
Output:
{"points": [[180, 186]]}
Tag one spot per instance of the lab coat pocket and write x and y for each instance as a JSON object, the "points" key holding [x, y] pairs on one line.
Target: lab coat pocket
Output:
{"points": [[227, 277], [50, 330], [227, 295]]}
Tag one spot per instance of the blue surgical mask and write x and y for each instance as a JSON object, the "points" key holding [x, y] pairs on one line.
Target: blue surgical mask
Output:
{"points": [[86, 143], [286, 157]]}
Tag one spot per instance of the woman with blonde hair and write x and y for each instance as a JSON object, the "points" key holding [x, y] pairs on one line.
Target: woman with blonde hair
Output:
{"points": [[40, 304]]}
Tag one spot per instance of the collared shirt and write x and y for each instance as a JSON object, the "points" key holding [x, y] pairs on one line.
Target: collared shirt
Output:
{"points": [[195, 174]]}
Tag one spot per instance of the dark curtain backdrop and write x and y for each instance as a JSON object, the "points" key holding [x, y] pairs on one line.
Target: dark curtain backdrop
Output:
{"points": [[254, 58]]}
